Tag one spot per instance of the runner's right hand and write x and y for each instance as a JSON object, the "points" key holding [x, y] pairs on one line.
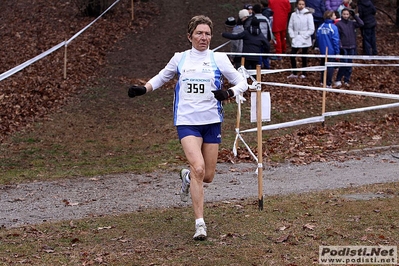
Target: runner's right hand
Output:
{"points": [[135, 90]]}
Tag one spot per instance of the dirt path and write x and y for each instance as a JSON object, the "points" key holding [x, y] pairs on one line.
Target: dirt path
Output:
{"points": [[69, 199]]}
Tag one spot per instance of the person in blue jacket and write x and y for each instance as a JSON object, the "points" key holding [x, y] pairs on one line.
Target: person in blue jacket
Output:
{"points": [[328, 37]]}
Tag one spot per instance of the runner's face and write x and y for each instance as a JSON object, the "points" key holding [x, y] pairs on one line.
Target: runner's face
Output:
{"points": [[201, 37]]}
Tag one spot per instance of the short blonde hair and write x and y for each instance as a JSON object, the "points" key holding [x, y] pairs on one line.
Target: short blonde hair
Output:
{"points": [[197, 20], [328, 14]]}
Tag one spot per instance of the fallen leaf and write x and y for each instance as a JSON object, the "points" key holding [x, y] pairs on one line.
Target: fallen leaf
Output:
{"points": [[282, 238], [48, 249], [309, 226], [104, 228]]}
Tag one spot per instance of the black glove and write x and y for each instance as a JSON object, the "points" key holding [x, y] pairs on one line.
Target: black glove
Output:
{"points": [[222, 95], [135, 90]]}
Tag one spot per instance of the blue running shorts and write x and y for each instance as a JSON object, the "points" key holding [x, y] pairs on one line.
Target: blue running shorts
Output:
{"points": [[209, 133]]}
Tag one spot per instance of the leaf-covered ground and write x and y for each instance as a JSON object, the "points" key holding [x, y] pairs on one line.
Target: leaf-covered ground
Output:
{"points": [[29, 29]]}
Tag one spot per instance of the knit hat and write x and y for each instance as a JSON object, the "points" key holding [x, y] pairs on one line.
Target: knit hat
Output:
{"points": [[247, 6], [230, 22], [243, 13]]}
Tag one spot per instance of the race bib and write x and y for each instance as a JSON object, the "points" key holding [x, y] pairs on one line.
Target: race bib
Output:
{"points": [[196, 89]]}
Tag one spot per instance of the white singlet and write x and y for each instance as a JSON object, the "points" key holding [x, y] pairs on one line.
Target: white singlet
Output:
{"points": [[199, 72]]}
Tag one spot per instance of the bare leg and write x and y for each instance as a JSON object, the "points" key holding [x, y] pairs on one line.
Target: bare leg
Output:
{"points": [[202, 159]]}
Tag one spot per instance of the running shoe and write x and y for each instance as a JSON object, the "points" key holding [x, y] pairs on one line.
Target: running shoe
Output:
{"points": [[200, 232], [185, 184]]}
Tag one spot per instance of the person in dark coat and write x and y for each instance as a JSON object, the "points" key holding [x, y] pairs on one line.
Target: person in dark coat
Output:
{"points": [[347, 36], [253, 42], [319, 8], [367, 13], [266, 10]]}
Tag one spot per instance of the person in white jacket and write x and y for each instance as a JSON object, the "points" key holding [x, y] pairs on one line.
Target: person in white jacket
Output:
{"points": [[300, 30]]}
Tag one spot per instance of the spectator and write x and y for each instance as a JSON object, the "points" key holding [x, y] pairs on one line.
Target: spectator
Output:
{"points": [[249, 8], [281, 9], [236, 45], [319, 8], [328, 38], [353, 5], [245, 18], [230, 23], [367, 13], [267, 11], [333, 5], [266, 30], [264, 22], [337, 17], [300, 30], [347, 35], [253, 42], [345, 4]]}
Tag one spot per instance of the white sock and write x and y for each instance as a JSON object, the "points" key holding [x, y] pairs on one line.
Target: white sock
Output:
{"points": [[199, 221]]}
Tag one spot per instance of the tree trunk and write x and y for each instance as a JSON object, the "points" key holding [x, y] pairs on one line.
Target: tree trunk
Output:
{"points": [[397, 12]]}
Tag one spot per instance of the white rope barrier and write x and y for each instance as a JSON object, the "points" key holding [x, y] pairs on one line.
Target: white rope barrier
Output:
{"points": [[339, 64], [272, 71], [220, 46], [355, 57], [317, 119], [14, 70], [309, 120], [18, 68], [363, 109], [360, 93], [319, 68], [238, 136]]}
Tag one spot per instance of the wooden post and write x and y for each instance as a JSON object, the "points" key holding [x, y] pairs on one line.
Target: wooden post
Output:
{"points": [[65, 60], [323, 108], [397, 12], [259, 131], [239, 108]]}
